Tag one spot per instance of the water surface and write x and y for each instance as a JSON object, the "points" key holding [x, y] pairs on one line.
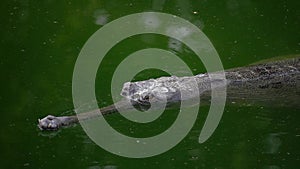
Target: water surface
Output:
{"points": [[40, 41]]}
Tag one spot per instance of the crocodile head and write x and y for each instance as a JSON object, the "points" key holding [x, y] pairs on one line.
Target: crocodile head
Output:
{"points": [[150, 91], [49, 123]]}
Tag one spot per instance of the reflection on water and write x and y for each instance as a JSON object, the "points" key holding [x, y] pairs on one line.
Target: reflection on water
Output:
{"points": [[273, 143], [103, 167], [41, 41], [101, 17], [175, 45]]}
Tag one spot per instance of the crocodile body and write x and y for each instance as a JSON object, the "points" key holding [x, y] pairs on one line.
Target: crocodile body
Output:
{"points": [[276, 81]]}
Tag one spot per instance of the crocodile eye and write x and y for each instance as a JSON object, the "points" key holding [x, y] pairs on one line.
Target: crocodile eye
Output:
{"points": [[124, 93], [146, 98]]}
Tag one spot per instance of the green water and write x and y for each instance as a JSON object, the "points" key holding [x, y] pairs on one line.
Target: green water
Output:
{"points": [[41, 40]]}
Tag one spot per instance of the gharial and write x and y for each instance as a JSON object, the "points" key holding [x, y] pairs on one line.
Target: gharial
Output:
{"points": [[274, 81]]}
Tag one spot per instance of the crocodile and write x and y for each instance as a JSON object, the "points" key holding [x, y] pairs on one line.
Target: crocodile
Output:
{"points": [[273, 82]]}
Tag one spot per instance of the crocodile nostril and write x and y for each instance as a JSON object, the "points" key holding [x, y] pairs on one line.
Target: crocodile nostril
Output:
{"points": [[136, 96]]}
